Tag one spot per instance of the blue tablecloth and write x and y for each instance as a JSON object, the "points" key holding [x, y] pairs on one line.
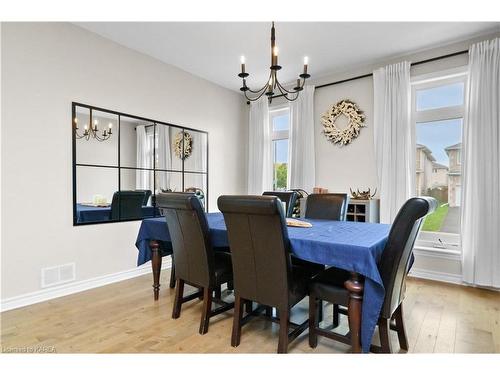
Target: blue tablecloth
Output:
{"points": [[89, 214], [348, 245]]}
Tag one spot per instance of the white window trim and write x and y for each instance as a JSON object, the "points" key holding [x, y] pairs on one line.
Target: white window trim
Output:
{"points": [[439, 242]]}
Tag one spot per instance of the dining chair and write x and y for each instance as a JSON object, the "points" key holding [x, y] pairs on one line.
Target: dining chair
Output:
{"points": [[288, 197], [263, 272], [196, 262], [332, 284], [326, 206], [147, 195], [127, 205]]}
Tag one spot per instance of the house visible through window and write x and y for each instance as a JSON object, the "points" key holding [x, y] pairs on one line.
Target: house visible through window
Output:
{"points": [[437, 112], [279, 119]]}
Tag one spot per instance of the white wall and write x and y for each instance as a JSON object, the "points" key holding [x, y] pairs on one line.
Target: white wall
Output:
{"points": [[339, 168], [46, 66]]}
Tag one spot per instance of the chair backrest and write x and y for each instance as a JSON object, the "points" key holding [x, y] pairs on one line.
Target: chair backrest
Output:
{"points": [[326, 206], [394, 261], [190, 236], [127, 204], [147, 195], [258, 238], [289, 197]]}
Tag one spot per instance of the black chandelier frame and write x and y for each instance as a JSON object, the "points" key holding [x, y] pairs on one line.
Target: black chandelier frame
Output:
{"points": [[273, 83]]}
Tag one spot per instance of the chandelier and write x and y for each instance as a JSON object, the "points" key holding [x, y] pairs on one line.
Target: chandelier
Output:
{"points": [[92, 132], [273, 85]]}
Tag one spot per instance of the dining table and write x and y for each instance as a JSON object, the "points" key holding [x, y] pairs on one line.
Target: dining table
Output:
{"points": [[353, 246]]}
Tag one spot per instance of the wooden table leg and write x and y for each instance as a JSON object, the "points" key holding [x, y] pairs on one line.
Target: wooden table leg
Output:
{"points": [[355, 287], [156, 266]]}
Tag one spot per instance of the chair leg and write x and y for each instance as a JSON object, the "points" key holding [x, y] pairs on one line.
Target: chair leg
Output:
{"points": [[238, 315], [207, 309], [248, 307], [383, 330], [269, 311], [172, 275], [313, 321], [320, 310], [400, 328], [335, 316], [284, 315], [179, 292], [218, 292]]}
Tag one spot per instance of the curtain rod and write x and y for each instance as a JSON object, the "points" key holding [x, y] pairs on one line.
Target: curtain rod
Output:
{"points": [[371, 74]]}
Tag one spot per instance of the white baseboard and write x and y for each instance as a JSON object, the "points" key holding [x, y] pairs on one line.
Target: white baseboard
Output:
{"points": [[77, 286], [436, 276]]}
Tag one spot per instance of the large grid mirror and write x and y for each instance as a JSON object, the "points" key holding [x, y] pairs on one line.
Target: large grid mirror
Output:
{"points": [[121, 162]]}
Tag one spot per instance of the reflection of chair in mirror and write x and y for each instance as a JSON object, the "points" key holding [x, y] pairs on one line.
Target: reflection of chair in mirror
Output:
{"points": [[127, 205], [146, 196], [199, 193]]}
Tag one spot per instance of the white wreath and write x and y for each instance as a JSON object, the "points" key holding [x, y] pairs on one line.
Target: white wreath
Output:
{"points": [[356, 121], [188, 145]]}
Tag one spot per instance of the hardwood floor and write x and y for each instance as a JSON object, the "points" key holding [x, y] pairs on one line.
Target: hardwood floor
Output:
{"points": [[122, 317]]}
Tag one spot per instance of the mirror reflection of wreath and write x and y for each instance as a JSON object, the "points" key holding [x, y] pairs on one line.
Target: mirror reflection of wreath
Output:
{"points": [[343, 136], [188, 145]]}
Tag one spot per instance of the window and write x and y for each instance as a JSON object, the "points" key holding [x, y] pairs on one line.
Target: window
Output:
{"points": [[437, 112], [279, 119]]}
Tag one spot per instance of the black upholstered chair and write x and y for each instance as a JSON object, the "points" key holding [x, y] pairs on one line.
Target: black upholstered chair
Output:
{"points": [[196, 262], [263, 272], [127, 205], [326, 206], [289, 197], [393, 266]]}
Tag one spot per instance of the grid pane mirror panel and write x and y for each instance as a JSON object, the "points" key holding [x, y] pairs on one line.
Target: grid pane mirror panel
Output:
{"points": [[132, 165], [197, 159], [94, 193], [90, 150]]}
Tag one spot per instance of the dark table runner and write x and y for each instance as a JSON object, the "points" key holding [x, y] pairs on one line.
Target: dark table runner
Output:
{"points": [[348, 245]]}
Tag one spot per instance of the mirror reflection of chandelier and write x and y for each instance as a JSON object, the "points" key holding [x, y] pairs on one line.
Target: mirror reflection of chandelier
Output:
{"points": [[92, 132], [273, 86]]}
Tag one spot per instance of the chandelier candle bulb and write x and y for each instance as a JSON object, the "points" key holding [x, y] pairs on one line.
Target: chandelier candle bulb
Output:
{"points": [[306, 62], [242, 64]]}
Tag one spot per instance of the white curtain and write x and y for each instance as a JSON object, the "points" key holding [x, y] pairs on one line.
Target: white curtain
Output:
{"points": [[302, 173], [143, 179], [260, 160], [164, 155], [481, 167], [394, 138]]}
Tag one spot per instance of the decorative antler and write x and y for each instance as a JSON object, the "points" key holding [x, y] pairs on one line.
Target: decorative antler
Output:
{"points": [[362, 195]]}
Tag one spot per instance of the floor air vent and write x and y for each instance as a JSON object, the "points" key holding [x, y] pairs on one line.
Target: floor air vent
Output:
{"points": [[58, 275]]}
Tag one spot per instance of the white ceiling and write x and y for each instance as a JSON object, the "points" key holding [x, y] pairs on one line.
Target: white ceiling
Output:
{"points": [[212, 50]]}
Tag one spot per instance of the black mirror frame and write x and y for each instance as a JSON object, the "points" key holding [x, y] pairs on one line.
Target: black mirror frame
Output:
{"points": [[91, 108]]}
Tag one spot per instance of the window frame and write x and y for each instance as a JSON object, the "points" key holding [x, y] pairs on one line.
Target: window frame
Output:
{"points": [[441, 242], [278, 135]]}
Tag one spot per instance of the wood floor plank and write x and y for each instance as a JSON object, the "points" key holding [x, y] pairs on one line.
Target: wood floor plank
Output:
{"points": [[124, 318]]}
